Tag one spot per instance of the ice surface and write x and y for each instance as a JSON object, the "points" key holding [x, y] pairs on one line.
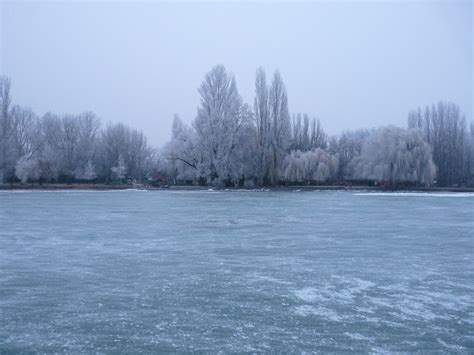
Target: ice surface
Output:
{"points": [[417, 194], [167, 271]]}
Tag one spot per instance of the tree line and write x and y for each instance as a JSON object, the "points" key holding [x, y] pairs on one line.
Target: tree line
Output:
{"points": [[231, 143], [67, 148]]}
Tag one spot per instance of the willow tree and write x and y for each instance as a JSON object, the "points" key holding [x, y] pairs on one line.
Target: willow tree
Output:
{"points": [[395, 155]]}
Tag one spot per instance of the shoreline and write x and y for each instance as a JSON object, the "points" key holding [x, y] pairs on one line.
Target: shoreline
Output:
{"points": [[103, 187]]}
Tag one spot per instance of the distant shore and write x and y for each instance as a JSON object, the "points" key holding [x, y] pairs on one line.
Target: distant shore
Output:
{"points": [[104, 187]]}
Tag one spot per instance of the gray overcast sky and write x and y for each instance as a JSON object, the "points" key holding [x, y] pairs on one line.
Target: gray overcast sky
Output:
{"points": [[351, 64]]}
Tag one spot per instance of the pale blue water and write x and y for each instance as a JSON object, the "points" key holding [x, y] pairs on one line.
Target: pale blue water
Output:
{"points": [[161, 271]]}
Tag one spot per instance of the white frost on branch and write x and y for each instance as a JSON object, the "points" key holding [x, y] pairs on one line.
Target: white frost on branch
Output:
{"points": [[119, 170], [392, 154], [314, 165]]}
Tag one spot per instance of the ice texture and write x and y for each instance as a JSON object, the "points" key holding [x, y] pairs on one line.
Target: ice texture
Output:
{"points": [[259, 271]]}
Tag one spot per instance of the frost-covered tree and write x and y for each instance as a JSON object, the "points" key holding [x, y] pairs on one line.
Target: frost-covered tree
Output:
{"points": [[7, 162], [65, 148], [470, 157], [86, 172], [245, 166], [26, 133], [305, 134], [395, 155], [315, 165], [184, 159], [119, 171], [444, 128], [119, 140], [89, 125], [67, 143], [305, 138], [51, 155], [297, 134], [281, 126], [219, 148], [27, 169], [89, 172], [220, 118], [229, 144], [318, 136], [347, 147], [263, 127], [61, 144]]}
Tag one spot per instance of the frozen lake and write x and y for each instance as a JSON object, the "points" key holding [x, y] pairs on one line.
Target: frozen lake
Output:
{"points": [[148, 271]]}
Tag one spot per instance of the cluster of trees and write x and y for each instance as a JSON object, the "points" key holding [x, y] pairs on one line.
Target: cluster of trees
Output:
{"points": [[231, 143], [444, 129], [228, 144], [67, 148], [392, 154]]}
